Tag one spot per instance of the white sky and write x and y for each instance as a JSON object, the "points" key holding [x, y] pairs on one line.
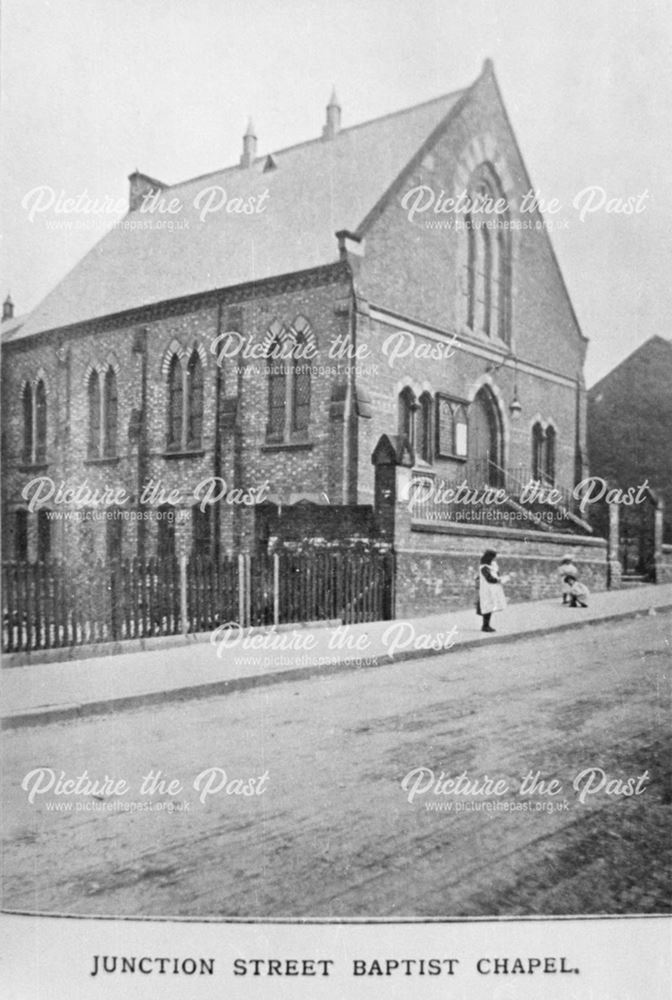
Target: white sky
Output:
{"points": [[93, 88]]}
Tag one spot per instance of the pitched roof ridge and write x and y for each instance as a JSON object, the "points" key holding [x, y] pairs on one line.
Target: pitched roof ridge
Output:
{"points": [[318, 139], [630, 356]]}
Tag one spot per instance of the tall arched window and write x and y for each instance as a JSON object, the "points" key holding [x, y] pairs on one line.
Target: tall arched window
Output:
{"points": [[486, 279], [543, 454], [27, 402], [195, 397], [538, 452], [425, 428], [110, 414], [289, 356], [93, 393], [184, 415], [40, 422], [300, 387], [175, 403], [486, 257], [549, 464], [34, 409], [277, 392], [407, 407]]}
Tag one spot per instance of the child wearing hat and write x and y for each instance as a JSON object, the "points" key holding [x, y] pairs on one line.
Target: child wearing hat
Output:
{"points": [[578, 593], [567, 570]]}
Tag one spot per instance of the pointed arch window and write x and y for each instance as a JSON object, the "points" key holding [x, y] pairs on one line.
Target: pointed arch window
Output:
{"points": [[185, 403], [451, 427], [486, 277], [175, 404], [93, 394], [277, 392], [101, 392], [538, 452], [195, 401], [27, 403], [544, 444], [40, 422], [300, 388], [407, 408], [425, 428], [109, 414], [549, 460], [34, 411], [289, 358]]}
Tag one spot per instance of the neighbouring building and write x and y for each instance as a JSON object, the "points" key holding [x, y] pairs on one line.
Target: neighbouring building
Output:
{"points": [[321, 330], [629, 434]]}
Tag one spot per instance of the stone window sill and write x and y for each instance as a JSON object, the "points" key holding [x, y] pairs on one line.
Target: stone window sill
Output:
{"points": [[105, 460], [287, 446], [186, 453], [33, 466]]}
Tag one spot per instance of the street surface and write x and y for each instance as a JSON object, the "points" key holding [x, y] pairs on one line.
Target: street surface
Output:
{"points": [[311, 818]]}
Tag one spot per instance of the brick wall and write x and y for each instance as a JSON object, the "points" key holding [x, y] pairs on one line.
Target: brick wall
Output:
{"points": [[441, 575], [414, 270], [458, 375], [64, 359], [664, 568]]}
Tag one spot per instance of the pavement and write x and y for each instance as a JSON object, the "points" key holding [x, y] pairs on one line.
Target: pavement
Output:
{"points": [[38, 694]]}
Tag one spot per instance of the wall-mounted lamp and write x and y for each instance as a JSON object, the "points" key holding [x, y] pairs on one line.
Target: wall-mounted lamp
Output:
{"points": [[515, 406]]}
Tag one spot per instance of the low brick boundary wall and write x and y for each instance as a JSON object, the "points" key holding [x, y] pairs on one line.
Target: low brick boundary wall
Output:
{"points": [[441, 575]]}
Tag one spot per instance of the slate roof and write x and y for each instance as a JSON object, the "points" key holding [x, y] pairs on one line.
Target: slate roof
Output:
{"points": [[656, 350], [315, 189], [9, 328]]}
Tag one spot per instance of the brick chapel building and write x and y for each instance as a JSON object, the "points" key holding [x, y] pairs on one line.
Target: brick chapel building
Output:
{"points": [[313, 328]]}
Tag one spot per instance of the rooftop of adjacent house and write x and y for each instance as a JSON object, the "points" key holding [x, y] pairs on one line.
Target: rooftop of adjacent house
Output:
{"points": [[267, 216], [659, 346]]}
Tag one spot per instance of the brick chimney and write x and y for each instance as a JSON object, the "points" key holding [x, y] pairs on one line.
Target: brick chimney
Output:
{"points": [[249, 146], [333, 123], [140, 186], [8, 308]]}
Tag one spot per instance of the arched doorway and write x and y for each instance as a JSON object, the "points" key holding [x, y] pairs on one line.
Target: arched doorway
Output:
{"points": [[485, 439]]}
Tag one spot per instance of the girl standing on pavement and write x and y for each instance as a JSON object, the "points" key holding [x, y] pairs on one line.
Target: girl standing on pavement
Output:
{"points": [[489, 589]]}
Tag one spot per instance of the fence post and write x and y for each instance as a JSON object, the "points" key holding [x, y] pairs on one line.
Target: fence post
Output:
{"points": [[276, 588], [613, 554], [184, 616], [248, 589], [243, 590]]}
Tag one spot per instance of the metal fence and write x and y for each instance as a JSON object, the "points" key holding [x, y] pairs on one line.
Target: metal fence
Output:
{"points": [[49, 605]]}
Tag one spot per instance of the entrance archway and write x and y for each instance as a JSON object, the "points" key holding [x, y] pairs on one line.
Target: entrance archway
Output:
{"points": [[485, 439]]}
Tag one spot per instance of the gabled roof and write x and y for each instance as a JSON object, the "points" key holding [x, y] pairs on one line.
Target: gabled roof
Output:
{"points": [[10, 328], [657, 344], [315, 190]]}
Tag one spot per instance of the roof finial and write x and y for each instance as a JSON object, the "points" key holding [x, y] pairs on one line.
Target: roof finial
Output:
{"points": [[249, 145], [333, 123]]}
